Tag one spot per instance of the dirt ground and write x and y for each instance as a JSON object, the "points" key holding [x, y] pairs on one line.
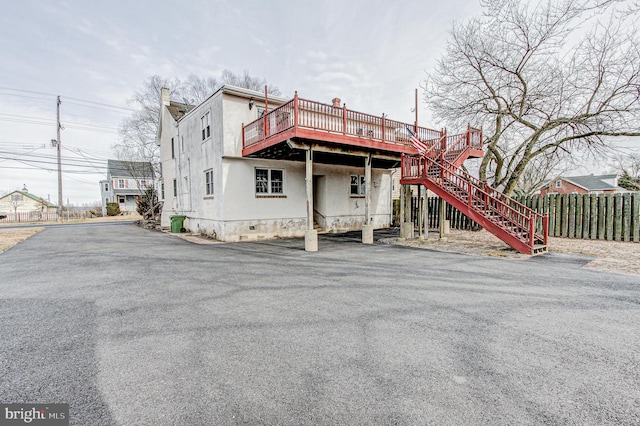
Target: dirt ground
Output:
{"points": [[610, 256]]}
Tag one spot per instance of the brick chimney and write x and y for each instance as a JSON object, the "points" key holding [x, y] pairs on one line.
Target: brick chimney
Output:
{"points": [[336, 102]]}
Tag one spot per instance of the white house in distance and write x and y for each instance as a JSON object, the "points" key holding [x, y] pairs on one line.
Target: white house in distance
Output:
{"points": [[125, 181], [23, 202], [243, 166]]}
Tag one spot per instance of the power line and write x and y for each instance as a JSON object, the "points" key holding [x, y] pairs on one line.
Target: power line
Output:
{"points": [[28, 91], [100, 104], [63, 97], [42, 120], [101, 109], [68, 160], [71, 162], [48, 169]]}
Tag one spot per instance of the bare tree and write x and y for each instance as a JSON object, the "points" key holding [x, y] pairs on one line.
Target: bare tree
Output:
{"points": [[545, 80], [16, 200], [138, 132], [248, 82]]}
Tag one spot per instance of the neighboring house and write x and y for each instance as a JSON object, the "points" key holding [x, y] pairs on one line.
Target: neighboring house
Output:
{"points": [[242, 165], [125, 181], [590, 184], [24, 202]]}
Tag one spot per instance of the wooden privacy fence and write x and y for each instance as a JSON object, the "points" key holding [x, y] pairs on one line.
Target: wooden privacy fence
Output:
{"points": [[613, 217]]}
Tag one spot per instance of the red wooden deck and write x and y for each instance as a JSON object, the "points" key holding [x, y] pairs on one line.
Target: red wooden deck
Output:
{"points": [[339, 127]]}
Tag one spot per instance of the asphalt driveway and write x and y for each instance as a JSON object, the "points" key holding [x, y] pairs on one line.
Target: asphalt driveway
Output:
{"points": [[131, 326]]}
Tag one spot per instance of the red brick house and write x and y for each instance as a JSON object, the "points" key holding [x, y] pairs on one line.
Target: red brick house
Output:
{"points": [[590, 184]]}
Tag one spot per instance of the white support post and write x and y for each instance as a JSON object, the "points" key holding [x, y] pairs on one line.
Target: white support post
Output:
{"points": [[425, 213], [367, 227], [402, 201], [310, 235]]}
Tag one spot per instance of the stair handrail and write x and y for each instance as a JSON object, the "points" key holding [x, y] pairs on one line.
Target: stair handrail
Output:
{"points": [[472, 138], [519, 213], [479, 184], [514, 211], [483, 188]]}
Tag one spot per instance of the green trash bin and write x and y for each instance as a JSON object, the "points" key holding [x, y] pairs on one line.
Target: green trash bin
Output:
{"points": [[176, 223]]}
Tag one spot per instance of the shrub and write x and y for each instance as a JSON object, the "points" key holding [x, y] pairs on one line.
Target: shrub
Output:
{"points": [[113, 209]]}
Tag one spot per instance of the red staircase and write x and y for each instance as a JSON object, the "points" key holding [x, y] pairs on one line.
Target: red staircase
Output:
{"points": [[439, 169]]}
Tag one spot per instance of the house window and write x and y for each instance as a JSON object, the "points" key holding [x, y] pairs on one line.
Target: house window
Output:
{"points": [[106, 187], [175, 187], [121, 199], [162, 190], [357, 184], [559, 183], [143, 184], [269, 181], [208, 178], [120, 183], [173, 149], [16, 197], [206, 125]]}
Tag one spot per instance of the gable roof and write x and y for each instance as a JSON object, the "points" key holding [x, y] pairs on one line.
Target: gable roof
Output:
{"points": [[130, 169], [31, 196], [592, 183]]}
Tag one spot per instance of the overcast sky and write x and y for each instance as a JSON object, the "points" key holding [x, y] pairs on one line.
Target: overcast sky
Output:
{"points": [[371, 54]]}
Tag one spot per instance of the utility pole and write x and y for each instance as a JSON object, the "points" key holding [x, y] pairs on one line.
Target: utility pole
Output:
{"points": [[59, 161]]}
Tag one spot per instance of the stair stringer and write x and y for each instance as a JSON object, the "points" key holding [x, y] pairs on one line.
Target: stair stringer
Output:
{"points": [[475, 215]]}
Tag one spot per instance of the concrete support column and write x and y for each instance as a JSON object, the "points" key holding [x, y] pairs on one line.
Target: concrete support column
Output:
{"points": [[444, 224], [402, 201], [367, 228], [407, 225], [425, 213], [420, 215], [310, 235]]}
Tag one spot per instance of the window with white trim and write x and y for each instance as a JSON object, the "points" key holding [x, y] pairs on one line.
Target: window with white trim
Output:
{"points": [[143, 184], [120, 183], [559, 183], [175, 187], [357, 185], [208, 179], [205, 122], [269, 181]]}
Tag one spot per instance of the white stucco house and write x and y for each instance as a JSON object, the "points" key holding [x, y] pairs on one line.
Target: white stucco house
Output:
{"points": [[243, 165], [125, 181]]}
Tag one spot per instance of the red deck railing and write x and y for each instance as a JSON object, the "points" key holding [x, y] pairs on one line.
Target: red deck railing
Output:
{"points": [[319, 117]]}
